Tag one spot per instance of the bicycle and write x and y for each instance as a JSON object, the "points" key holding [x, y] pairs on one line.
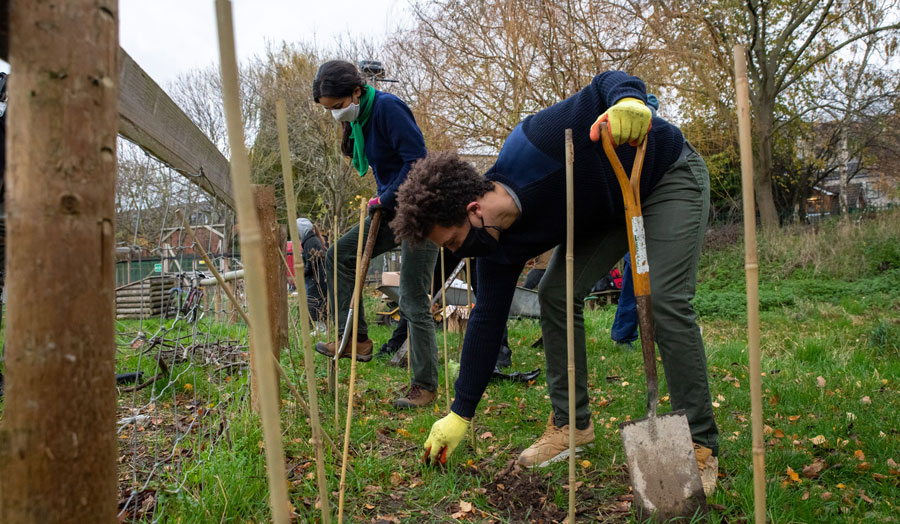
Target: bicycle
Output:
{"points": [[184, 300]]}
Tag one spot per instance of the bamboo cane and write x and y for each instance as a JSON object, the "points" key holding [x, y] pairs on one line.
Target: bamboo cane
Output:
{"points": [[570, 314], [229, 297], [335, 366], [444, 326], [286, 171], [463, 336], [751, 268], [357, 291], [255, 279]]}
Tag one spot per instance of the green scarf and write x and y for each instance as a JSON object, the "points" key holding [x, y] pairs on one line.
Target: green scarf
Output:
{"points": [[366, 101]]}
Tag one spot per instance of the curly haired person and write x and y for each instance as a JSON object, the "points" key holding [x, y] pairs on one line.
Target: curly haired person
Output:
{"points": [[517, 211]]}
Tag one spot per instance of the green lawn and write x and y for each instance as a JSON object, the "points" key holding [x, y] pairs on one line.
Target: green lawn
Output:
{"points": [[831, 386]]}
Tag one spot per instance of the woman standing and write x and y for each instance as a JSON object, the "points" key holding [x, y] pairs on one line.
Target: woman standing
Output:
{"points": [[380, 131]]}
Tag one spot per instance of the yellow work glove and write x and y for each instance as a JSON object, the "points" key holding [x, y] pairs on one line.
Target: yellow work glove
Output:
{"points": [[445, 435], [628, 121]]}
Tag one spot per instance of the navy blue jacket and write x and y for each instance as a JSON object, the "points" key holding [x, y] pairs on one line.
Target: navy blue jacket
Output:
{"points": [[532, 164], [393, 142]]}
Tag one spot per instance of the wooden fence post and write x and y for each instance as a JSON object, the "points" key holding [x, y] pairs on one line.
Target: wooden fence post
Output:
{"points": [[58, 436], [276, 277]]}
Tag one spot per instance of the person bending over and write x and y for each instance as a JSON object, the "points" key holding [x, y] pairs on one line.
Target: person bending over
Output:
{"points": [[518, 210]]}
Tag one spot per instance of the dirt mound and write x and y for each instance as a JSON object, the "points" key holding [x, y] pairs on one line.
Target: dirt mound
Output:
{"points": [[524, 495]]}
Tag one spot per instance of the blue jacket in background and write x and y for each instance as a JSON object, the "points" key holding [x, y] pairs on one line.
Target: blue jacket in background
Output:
{"points": [[393, 142]]}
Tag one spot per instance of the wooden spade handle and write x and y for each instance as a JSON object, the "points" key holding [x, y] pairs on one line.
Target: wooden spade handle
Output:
{"points": [[640, 268]]}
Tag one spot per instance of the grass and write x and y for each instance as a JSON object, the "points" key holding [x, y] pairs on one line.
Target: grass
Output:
{"points": [[831, 390]]}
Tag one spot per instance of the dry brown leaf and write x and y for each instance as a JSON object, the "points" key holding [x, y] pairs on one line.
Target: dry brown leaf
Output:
{"points": [[464, 506], [813, 470], [818, 440], [860, 456], [396, 479], [805, 495], [767, 430], [866, 400], [486, 435], [862, 495], [779, 433], [892, 464], [793, 418], [793, 475], [820, 381], [826, 495]]}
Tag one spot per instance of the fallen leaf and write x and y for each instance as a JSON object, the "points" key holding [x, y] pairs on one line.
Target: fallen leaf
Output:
{"points": [[585, 463], [715, 404], [860, 456], [396, 479], [820, 381], [863, 466], [892, 464], [862, 495], [793, 418], [773, 400], [779, 433], [793, 475], [879, 476], [866, 400], [464, 506], [840, 486], [767, 430], [805, 495], [826, 495], [486, 435], [818, 440], [813, 470], [403, 433]]}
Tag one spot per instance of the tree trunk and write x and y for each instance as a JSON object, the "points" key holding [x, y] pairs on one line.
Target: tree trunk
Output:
{"points": [[845, 174], [768, 215], [58, 438]]}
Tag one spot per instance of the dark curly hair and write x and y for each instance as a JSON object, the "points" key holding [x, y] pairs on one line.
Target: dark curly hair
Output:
{"points": [[436, 193], [337, 79]]}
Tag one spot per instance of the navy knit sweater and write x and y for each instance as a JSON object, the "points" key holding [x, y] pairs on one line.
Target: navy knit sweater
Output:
{"points": [[393, 142], [532, 164]]}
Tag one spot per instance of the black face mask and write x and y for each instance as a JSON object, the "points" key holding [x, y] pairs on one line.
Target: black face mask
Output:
{"points": [[478, 243]]}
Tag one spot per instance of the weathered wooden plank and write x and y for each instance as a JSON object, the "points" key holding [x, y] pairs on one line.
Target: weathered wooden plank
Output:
{"points": [[149, 118]]}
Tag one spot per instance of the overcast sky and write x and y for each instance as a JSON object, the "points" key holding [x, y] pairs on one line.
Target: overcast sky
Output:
{"points": [[168, 37]]}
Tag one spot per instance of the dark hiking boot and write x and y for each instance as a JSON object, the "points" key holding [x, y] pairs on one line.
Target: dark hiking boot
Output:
{"points": [[363, 350], [504, 358], [416, 397], [386, 352]]}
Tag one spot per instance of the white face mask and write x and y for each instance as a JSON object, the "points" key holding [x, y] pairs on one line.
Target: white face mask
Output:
{"points": [[346, 114]]}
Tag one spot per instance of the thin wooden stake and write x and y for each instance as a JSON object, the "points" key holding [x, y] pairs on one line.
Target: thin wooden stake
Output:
{"points": [[335, 365], [751, 268], [357, 291], [570, 314], [463, 335], [255, 278], [287, 172], [444, 324]]}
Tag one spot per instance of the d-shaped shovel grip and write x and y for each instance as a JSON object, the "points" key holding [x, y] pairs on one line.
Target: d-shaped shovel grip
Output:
{"points": [[637, 245]]}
